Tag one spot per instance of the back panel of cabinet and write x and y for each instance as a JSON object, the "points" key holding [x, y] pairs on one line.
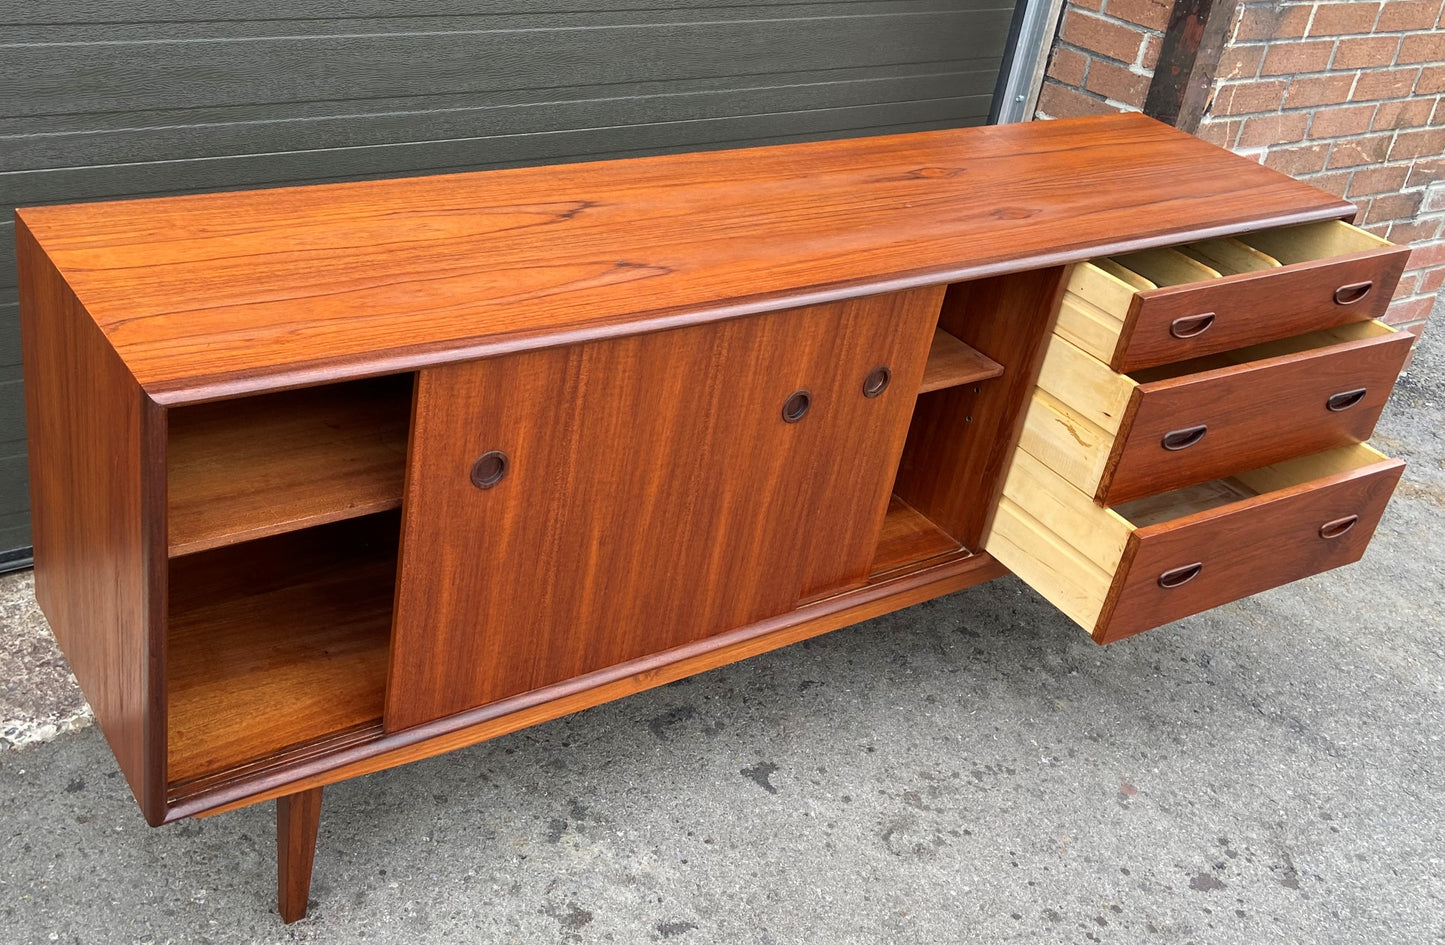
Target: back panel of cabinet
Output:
{"points": [[576, 507]]}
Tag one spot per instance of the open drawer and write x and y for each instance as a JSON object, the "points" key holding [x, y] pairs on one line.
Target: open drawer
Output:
{"points": [[1162, 305], [1117, 572], [1119, 437]]}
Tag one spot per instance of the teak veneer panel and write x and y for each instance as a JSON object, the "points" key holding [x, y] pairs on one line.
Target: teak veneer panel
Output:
{"points": [[97, 448], [1246, 547], [1257, 413], [1306, 291], [908, 538], [257, 466], [654, 494], [951, 363], [209, 294], [278, 642], [1254, 531], [1104, 431]]}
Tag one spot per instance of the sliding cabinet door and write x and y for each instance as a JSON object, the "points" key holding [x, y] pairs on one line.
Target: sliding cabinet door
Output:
{"points": [[576, 507]]}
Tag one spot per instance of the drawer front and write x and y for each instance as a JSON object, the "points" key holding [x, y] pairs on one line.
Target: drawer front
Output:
{"points": [[1254, 307], [1244, 548], [1118, 572], [1202, 426]]}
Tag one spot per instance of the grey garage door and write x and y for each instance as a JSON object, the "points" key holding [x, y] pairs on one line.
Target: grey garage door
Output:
{"points": [[103, 99]]}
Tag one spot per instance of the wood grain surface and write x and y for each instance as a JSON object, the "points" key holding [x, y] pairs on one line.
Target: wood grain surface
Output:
{"points": [[962, 438], [375, 751], [1256, 414], [1245, 547], [278, 642], [298, 816], [256, 466], [97, 461], [654, 496], [1256, 306], [210, 295], [951, 363], [908, 538], [627, 332]]}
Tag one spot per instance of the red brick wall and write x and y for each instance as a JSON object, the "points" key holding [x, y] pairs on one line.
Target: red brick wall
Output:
{"points": [[1349, 96], [1103, 57]]}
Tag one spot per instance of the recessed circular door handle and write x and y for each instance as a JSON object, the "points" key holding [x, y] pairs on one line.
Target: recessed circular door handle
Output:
{"points": [[1178, 577], [1345, 399], [1338, 527], [877, 381], [1176, 440], [1191, 326], [796, 406], [1352, 293], [489, 469]]}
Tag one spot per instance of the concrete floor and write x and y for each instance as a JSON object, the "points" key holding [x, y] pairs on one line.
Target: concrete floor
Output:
{"points": [[972, 769]]}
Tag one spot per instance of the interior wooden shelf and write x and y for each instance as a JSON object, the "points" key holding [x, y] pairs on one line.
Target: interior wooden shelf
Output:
{"points": [[243, 469], [952, 363], [277, 643], [908, 537]]}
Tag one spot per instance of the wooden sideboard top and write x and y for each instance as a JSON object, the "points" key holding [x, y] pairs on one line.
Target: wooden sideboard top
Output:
{"points": [[212, 295]]}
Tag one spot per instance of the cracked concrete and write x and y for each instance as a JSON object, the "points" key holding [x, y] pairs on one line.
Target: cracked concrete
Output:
{"points": [[38, 697], [971, 769]]}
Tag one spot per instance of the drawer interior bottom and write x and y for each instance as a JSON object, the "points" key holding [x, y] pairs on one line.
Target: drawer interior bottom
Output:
{"points": [[1218, 493]]}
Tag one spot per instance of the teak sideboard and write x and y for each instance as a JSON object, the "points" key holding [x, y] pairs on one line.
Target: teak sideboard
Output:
{"points": [[328, 479]]}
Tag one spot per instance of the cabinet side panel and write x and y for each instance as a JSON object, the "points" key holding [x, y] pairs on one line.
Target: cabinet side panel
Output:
{"points": [[88, 426], [960, 442]]}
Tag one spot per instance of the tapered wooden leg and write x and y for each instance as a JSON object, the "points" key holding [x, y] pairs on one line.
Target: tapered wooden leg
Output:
{"points": [[297, 817]]}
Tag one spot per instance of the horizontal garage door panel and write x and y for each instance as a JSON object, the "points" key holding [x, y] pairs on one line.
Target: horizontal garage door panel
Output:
{"points": [[156, 73], [437, 120], [225, 12]]}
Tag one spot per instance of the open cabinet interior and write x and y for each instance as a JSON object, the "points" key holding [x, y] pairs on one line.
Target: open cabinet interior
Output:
{"points": [[909, 538], [278, 642], [964, 418], [256, 466], [283, 531]]}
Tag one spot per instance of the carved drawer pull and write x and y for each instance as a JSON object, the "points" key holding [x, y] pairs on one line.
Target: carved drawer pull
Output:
{"points": [[796, 406], [1177, 577], [1338, 527], [1345, 399], [1191, 326], [1176, 440], [877, 381], [489, 469], [1352, 293]]}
